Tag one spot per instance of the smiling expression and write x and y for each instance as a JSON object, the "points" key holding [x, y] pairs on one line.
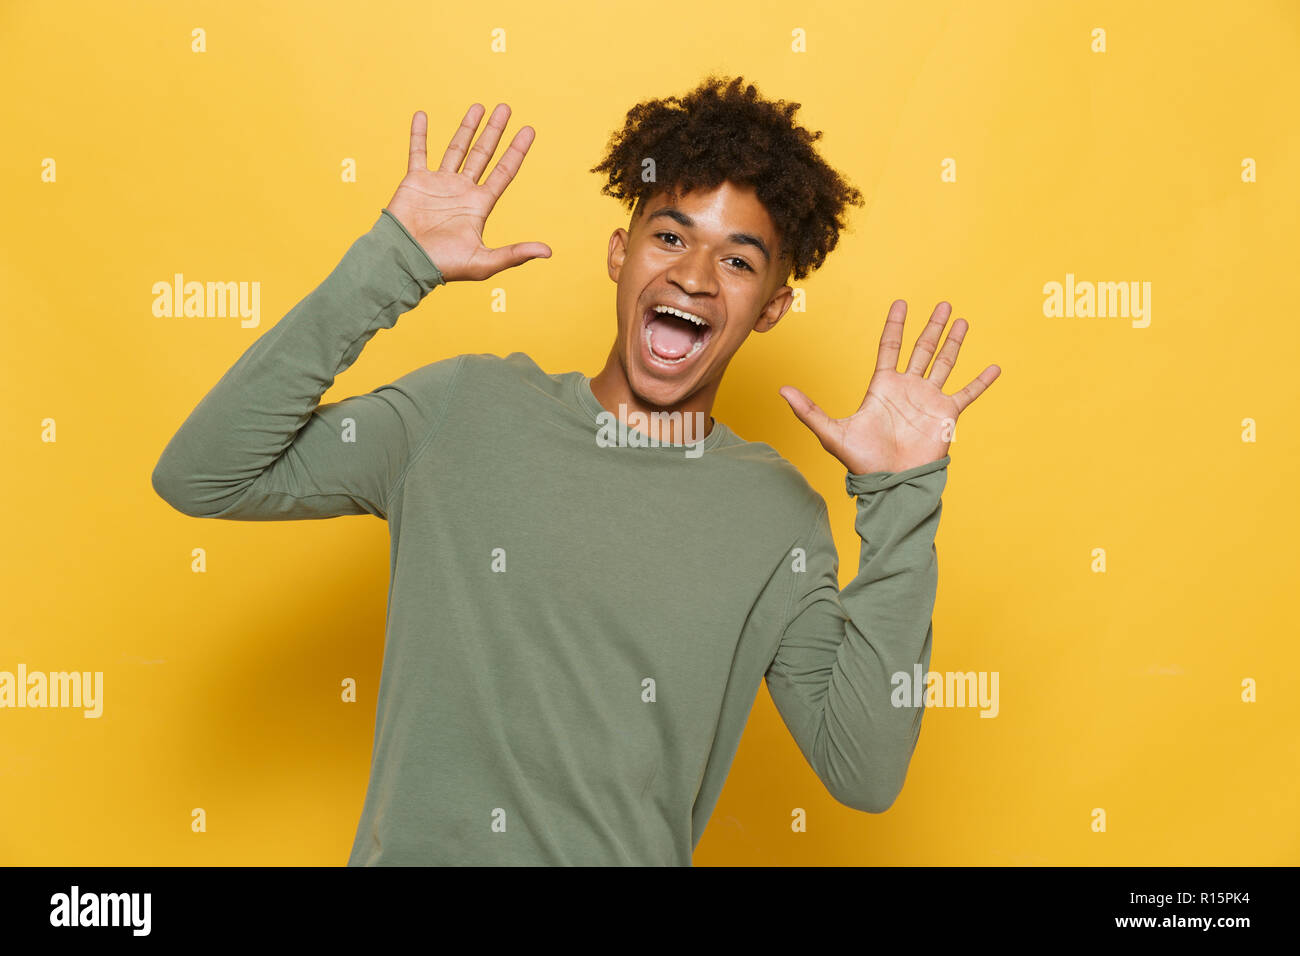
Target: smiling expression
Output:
{"points": [[696, 274]]}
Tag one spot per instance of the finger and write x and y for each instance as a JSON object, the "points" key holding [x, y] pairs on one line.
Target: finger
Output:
{"points": [[808, 412], [508, 165], [459, 144], [418, 159], [486, 145], [891, 337], [928, 340], [976, 388], [947, 357], [515, 254]]}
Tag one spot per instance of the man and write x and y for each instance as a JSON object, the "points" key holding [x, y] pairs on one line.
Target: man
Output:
{"points": [[588, 580]]}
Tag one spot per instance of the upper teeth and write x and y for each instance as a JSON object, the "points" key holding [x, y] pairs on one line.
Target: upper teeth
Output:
{"points": [[678, 312]]}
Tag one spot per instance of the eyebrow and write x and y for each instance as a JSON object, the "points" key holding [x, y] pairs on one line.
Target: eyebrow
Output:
{"points": [[675, 214]]}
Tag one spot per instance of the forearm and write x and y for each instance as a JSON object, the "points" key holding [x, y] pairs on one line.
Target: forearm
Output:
{"points": [[253, 413], [890, 608], [840, 652]]}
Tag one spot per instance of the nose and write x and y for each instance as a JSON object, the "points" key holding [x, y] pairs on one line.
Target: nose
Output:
{"points": [[692, 271]]}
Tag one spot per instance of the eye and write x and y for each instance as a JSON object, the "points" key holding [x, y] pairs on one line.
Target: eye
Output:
{"points": [[743, 265]]}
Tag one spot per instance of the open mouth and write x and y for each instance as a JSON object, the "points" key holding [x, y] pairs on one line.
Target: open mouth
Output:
{"points": [[673, 336]]}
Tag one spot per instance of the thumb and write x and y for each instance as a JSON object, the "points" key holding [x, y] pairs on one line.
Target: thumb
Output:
{"points": [[515, 254], [808, 412]]}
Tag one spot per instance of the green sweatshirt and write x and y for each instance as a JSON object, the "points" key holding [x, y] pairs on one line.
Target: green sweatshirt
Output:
{"points": [[576, 631]]}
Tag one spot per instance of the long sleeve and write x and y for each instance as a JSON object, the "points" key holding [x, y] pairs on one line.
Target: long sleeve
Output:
{"points": [[259, 448], [831, 676]]}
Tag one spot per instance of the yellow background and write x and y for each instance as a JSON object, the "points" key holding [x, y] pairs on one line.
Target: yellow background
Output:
{"points": [[1118, 690]]}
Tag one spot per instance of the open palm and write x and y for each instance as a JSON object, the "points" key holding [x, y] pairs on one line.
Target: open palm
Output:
{"points": [[905, 420], [445, 209]]}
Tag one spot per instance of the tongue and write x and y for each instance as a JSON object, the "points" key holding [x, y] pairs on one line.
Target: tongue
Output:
{"points": [[669, 338]]}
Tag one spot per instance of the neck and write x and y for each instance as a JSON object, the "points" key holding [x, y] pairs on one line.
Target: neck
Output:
{"points": [[614, 392]]}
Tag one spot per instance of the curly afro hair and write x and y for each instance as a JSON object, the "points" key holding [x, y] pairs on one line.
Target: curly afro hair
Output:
{"points": [[724, 130]]}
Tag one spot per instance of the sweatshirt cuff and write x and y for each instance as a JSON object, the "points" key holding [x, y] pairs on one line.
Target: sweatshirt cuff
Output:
{"points": [[413, 257], [862, 484]]}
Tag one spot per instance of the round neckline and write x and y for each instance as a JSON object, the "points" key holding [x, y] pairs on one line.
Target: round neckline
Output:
{"points": [[587, 399]]}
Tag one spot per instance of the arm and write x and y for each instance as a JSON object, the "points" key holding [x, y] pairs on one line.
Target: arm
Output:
{"points": [[257, 447], [831, 677], [832, 673]]}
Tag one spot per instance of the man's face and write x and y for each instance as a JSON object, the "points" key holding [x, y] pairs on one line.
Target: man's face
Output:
{"points": [[715, 255]]}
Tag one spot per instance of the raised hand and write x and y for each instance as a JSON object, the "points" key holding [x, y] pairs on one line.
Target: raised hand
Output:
{"points": [[444, 209], [905, 420]]}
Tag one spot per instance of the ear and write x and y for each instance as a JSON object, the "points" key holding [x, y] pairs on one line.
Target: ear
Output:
{"points": [[617, 252], [774, 310]]}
